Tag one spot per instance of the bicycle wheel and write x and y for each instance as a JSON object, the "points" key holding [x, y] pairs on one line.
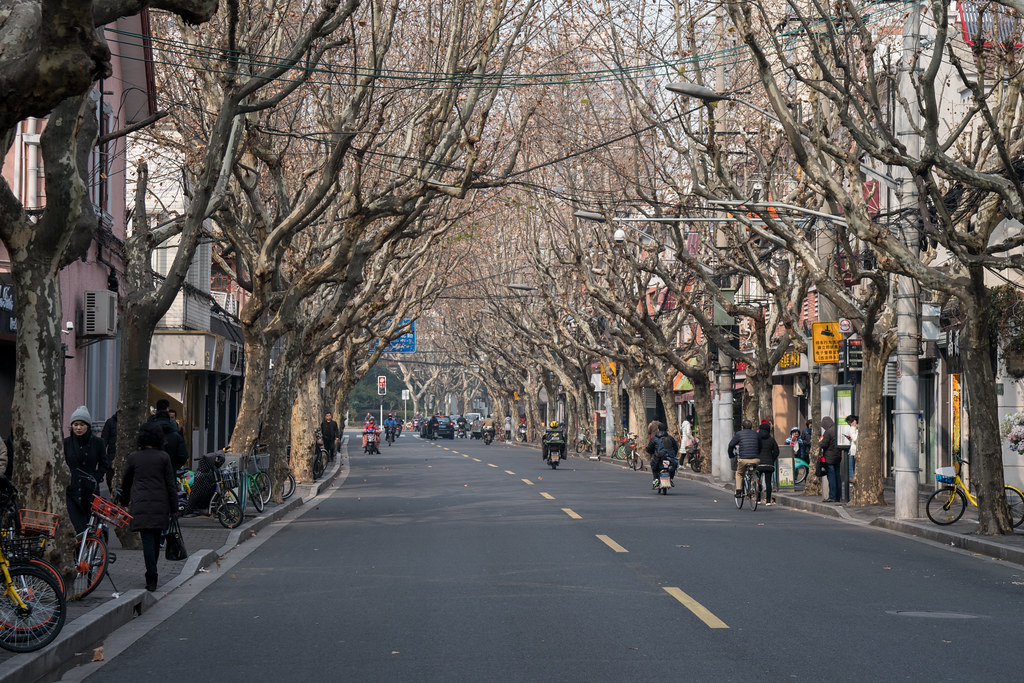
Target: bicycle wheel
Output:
{"points": [[946, 506], [51, 570], [229, 512], [91, 566], [800, 475], [1016, 502], [265, 486], [318, 465], [754, 487], [255, 495], [739, 498], [695, 465], [288, 488], [579, 446], [27, 630], [635, 461]]}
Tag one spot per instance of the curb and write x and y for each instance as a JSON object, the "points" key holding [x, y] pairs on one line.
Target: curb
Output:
{"points": [[89, 629], [974, 544]]}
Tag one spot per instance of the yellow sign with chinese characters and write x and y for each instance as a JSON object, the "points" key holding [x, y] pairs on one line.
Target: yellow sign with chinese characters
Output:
{"points": [[790, 359], [827, 341], [607, 372]]}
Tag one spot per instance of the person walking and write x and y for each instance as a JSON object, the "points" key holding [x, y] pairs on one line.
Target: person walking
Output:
{"points": [[174, 442], [330, 434], [147, 489], [768, 454], [829, 449], [86, 457], [746, 448], [508, 428]]}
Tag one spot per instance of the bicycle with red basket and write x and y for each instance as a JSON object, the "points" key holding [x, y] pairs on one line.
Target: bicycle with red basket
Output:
{"points": [[92, 555]]}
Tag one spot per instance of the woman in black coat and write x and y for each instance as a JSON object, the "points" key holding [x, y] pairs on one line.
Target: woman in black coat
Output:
{"points": [[148, 490], [86, 457], [768, 453]]}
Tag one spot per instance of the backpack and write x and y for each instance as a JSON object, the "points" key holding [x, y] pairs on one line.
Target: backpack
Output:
{"points": [[666, 447]]}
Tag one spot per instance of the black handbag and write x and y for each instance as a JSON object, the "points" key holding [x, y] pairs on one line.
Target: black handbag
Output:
{"points": [[174, 549], [821, 470]]}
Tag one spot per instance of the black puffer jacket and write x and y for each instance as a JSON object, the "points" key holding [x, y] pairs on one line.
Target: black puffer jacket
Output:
{"points": [[828, 445], [174, 443], [148, 489], [769, 450], [748, 442]]}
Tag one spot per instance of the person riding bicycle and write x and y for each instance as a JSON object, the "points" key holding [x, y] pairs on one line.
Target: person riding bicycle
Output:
{"points": [[390, 426], [662, 447], [553, 439], [746, 448]]}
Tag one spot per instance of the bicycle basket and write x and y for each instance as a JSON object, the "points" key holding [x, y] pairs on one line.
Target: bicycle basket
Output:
{"points": [[110, 513], [945, 475], [23, 547], [38, 522], [229, 477], [258, 462]]}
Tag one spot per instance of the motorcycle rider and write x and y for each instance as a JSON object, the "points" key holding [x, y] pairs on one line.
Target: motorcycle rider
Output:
{"points": [[390, 424], [461, 422], [489, 423], [553, 437], [662, 447], [371, 436], [432, 427]]}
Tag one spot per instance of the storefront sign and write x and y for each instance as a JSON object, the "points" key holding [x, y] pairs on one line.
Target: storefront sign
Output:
{"points": [[954, 405], [790, 359]]}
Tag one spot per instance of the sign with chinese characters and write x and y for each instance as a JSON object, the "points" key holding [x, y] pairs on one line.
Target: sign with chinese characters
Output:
{"points": [[790, 359], [826, 340]]}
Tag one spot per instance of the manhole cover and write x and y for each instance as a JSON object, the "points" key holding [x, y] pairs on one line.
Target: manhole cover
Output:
{"points": [[934, 615]]}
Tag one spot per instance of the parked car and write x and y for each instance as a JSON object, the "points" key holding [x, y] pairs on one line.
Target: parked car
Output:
{"points": [[445, 428]]}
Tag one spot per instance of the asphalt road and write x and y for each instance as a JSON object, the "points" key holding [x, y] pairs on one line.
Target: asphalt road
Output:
{"points": [[454, 561]]}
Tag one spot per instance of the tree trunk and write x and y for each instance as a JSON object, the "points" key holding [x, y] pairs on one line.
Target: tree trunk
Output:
{"points": [[813, 485], [704, 411], [869, 488], [303, 425], [133, 393], [254, 392], [982, 407]]}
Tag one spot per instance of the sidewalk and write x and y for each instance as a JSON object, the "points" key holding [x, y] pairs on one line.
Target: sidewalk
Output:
{"points": [[962, 534], [90, 620]]}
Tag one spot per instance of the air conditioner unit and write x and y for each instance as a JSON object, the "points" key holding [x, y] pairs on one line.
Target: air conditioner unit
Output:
{"points": [[100, 316]]}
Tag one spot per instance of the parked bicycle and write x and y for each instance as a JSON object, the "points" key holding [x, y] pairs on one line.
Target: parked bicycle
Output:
{"points": [[32, 606], [752, 487], [92, 557], [258, 482], [319, 455], [26, 533], [627, 451], [948, 504], [584, 444], [288, 486]]}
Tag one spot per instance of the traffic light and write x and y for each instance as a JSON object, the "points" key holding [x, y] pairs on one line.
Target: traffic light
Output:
{"points": [[382, 385]]}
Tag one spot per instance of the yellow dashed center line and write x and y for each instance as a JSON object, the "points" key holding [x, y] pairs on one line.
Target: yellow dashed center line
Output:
{"points": [[527, 482], [699, 610], [491, 465], [509, 472], [611, 544], [547, 495], [571, 514], [477, 460]]}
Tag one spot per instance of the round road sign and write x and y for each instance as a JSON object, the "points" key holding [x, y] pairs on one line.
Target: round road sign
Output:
{"points": [[845, 326]]}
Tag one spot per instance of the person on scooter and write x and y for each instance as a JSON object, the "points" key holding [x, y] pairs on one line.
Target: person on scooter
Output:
{"points": [[371, 436], [662, 447], [461, 422], [390, 425], [489, 424], [432, 426], [553, 439]]}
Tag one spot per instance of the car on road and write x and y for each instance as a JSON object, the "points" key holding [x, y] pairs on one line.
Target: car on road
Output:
{"points": [[445, 428]]}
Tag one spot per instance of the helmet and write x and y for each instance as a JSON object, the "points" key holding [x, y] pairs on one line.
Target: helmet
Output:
{"points": [[794, 429], [554, 424]]}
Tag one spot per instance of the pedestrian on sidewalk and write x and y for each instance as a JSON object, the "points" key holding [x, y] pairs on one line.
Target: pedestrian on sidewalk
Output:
{"points": [[829, 449], [86, 457], [330, 434], [854, 423], [746, 448], [768, 454], [148, 491]]}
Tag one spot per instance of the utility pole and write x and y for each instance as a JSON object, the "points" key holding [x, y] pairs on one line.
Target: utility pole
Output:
{"points": [[907, 437]]}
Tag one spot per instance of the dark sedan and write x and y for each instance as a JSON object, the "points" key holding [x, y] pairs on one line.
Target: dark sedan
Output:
{"points": [[445, 428]]}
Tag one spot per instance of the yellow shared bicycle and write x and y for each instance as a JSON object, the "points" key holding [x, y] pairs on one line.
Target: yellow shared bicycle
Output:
{"points": [[949, 503]]}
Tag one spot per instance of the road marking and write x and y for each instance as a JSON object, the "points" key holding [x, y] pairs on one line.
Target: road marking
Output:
{"points": [[547, 495], [527, 482], [509, 472], [699, 610], [611, 544], [477, 460], [571, 513], [490, 464]]}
